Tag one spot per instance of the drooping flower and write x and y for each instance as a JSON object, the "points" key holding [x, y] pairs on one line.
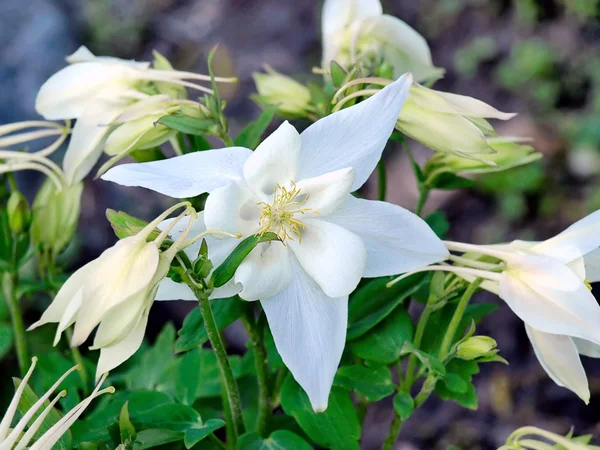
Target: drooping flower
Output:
{"points": [[357, 32], [97, 91], [116, 292], [18, 438], [546, 284], [298, 186], [533, 438]]}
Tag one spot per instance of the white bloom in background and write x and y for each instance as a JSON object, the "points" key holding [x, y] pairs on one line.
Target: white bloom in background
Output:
{"points": [[546, 284], [116, 292], [96, 91], [450, 123], [298, 186], [18, 438], [357, 31]]}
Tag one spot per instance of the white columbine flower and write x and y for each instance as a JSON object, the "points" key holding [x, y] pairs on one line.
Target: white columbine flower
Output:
{"points": [[299, 186], [18, 438], [115, 291], [357, 31], [96, 91], [547, 285]]}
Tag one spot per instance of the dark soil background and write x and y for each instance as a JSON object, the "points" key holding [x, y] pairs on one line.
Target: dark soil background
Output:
{"points": [[538, 58]]}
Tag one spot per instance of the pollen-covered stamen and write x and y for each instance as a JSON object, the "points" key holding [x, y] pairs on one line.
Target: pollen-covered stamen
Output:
{"points": [[280, 216]]}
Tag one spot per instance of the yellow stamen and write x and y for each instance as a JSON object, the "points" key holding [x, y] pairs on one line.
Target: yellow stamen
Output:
{"points": [[587, 283], [279, 217]]}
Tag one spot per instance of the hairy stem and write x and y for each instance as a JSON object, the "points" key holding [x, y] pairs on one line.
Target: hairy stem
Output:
{"points": [[392, 435], [382, 179], [412, 360], [423, 196], [9, 285], [457, 317], [260, 361], [230, 385]]}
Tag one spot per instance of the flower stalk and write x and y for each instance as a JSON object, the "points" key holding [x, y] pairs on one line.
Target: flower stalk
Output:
{"points": [[9, 284]]}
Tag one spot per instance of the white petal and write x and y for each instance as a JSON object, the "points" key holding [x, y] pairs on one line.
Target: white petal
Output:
{"points": [[265, 272], [70, 91], [65, 295], [121, 272], [69, 316], [569, 313], [587, 348], [82, 54], [233, 209], [274, 162], [353, 137], [396, 239], [170, 290], [87, 140], [115, 355], [331, 255], [592, 265], [337, 14], [559, 357], [326, 193], [543, 272], [184, 176], [578, 240], [577, 266], [119, 321], [309, 330], [404, 47]]}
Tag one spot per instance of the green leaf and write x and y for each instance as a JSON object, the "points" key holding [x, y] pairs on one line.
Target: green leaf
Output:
{"points": [[404, 405], [125, 225], [383, 344], [154, 361], [188, 378], [449, 181], [148, 155], [187, 124], [155, 438], [195, 435], [251, 135], [467, 399], [374, 301], [27, 400], [438, 222], [433, 364], [170, 417], [126, 428], [226, 270], [455, 383], [374, 382], [336, 428], [6, 338], [451, 388], [338, 74], [279, 440], [193, 332]]}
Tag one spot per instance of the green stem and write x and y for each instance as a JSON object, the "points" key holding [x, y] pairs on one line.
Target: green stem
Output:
{"points": [[276, 394], [382, 179], [426, 390], [228, 141], [9, 284], [260, 362], [392, 436], [412, 361], [231, 387], [423, 196], [457, 317]]}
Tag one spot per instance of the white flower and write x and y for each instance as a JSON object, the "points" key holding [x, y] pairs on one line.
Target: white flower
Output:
{"points": [[449, 123], [96, 91], [115, 291], [357, 31], [546, 284], [19, 439], [298, 186]]}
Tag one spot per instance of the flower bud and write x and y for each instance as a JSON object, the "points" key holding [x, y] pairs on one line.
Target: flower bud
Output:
{"points": [[292, 98], [476, 347], [55, 216], [449, 123], [142, 133], [19, 215]]}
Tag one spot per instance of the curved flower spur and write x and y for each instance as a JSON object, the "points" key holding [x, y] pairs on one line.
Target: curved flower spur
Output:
{"points": [[299, 186]]}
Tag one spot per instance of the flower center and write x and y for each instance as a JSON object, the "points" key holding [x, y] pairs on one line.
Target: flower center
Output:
{"points": [[280, 216]]}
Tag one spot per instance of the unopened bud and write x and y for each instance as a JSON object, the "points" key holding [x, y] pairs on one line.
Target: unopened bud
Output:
{"points": [[476, 347], [19, 215], [292, 98]]}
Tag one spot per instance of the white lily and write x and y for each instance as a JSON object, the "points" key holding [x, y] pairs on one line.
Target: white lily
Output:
{"points": [[298, 186], [547, 285], [357, 31], [96, 91], [19, 439], [115, 291]]}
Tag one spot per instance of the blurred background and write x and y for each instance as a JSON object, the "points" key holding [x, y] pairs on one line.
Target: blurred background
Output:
{"points": [[540, 58]]}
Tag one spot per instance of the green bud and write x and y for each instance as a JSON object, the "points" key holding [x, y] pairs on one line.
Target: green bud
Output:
{"points": [[476, 347], [385, 70], [55, 216], [19, 215], [292, 98]]}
